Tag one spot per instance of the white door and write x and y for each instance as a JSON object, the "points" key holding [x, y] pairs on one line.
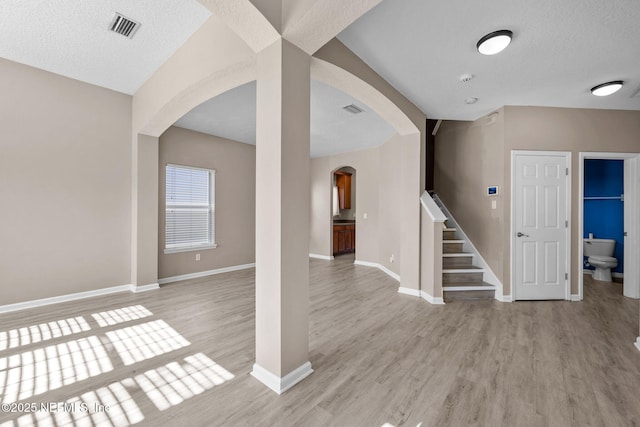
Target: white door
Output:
{"points": [[540, 228]]}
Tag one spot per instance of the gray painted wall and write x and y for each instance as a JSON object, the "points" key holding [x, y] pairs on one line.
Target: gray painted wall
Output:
{"points": [[235, 166], [65, 185]]}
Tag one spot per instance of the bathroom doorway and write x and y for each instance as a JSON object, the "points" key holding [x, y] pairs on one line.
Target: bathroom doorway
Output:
{"points": [[605, 214]]}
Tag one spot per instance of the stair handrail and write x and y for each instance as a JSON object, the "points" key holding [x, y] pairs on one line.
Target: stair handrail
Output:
{"points": [[432, 208]]}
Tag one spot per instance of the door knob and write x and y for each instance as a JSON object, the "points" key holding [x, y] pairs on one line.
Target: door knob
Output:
{"points": [[522, 234]]}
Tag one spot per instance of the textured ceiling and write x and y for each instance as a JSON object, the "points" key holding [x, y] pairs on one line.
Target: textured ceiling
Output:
{"points": [[560, 50], [232, 115], [71, 37]]}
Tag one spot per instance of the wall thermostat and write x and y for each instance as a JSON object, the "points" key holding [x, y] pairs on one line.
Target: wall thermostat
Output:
{"points": [[492, 191]]}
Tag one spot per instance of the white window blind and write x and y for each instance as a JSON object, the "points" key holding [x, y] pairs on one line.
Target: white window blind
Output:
{"points": [[190, 208]]}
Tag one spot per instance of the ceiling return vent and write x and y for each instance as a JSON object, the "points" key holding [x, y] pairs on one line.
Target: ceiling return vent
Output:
{"points": [[353, 109], [123, 25]]}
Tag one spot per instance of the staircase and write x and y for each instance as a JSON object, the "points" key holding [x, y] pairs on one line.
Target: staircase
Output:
{"points": [[461, 280]]}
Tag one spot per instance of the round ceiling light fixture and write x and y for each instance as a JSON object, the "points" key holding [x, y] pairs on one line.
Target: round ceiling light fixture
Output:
{"points": [[608, 88], [494, 42], [470, 101]]}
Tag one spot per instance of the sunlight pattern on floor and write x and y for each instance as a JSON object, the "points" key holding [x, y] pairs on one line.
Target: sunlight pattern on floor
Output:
{"points": [[113, 405], [42, 332], [35, 372], [173, 383], [121, 315], [110, 406], [25, 374], [144, 341]]}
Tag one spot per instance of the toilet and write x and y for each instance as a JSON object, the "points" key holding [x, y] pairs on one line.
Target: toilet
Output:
{"points": [[600, 253]]}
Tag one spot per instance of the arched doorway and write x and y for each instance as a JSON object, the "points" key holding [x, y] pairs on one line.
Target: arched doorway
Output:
{"points": [[343, 229], [154, 113]]}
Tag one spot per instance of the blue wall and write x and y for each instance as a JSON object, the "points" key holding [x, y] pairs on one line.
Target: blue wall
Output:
{"points": [[605, 218]]}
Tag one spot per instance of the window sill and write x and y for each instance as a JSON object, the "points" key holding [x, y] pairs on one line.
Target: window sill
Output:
{"points": [[189, 249]]}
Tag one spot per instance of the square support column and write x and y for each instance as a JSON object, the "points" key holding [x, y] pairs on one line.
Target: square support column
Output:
{"points": [[144, 236], [283, 204], [410, 249]]}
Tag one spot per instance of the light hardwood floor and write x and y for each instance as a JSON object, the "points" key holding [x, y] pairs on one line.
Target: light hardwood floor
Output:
{"points": [[379, 357]]}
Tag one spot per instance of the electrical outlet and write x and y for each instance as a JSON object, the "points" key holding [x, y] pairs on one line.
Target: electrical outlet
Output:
{"points": [[197, 257], [392, 259], [364, 215]]}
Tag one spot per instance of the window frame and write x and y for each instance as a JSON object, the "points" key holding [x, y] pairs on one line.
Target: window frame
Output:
{"points": [[212, 235]]}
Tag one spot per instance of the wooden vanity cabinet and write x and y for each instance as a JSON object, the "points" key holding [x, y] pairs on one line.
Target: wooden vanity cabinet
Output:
{"points": [[344, 238]]}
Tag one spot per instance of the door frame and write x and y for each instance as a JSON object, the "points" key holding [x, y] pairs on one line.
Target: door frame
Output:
{"points": [[631, 187], [512, 239]]}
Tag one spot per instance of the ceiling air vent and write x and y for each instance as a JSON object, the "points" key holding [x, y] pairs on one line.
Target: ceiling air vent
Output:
{"points": [[353, 109], [123, 25]]}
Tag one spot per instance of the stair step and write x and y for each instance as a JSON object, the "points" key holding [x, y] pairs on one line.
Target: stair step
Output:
{"points": [[465, 275], [469, 286], [452, 246], [469, 269], [469, 291], [456, 260], [468, 295], [449, 235]]}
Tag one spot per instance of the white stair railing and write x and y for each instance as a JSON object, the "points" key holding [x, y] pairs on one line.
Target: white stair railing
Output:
{"points": [[432, 220]]}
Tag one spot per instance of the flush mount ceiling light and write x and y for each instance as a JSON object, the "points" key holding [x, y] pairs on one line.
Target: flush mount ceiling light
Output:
{"points": [[494, 42], [607, 88], [470, 101]]}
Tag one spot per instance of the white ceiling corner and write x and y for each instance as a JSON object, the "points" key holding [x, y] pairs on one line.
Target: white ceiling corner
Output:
{"points": [[71, 38], [559, 51]]}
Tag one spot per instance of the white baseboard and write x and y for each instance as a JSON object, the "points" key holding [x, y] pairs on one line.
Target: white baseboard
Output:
{"points": [[379, 267], [76, 296], [637, 343], [280, 385], [421, 294], [324, 257], [503, 298], [409, 291], [432, 300], [145, 288], [205, 273], [575, 297]]}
